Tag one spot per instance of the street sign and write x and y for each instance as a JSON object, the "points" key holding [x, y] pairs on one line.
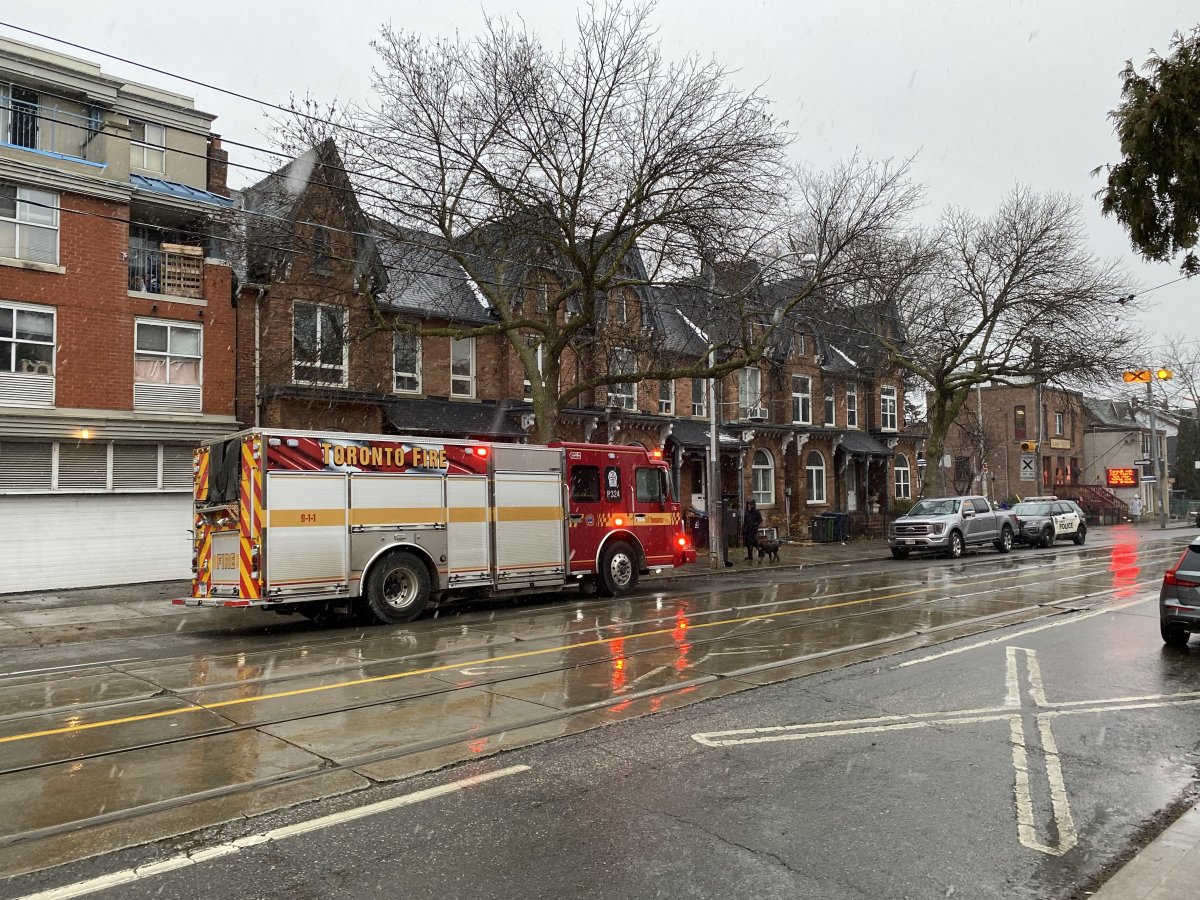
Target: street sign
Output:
{"points": [[1028, 472], [1138, 376], [1149, 479], [1126, 476]]}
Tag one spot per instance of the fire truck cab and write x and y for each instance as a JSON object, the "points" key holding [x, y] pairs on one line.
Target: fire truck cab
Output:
{"points": [[308, 521]]}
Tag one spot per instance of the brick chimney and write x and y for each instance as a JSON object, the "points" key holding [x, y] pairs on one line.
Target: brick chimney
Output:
{"points": [[218, 166]]}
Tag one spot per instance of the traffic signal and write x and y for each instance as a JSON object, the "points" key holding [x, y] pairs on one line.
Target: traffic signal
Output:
{"points": [[1164, 374], [1029, 446]]}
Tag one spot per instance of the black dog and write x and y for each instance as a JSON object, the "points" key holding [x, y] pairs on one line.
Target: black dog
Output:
{"points": [[769, 550]]}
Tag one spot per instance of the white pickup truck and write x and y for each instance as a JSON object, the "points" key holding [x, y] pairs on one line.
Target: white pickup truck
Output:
{"points": [[949, 525]]}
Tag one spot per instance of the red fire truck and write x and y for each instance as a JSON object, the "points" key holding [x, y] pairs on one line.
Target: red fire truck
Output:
{"points": [[301, 521]]}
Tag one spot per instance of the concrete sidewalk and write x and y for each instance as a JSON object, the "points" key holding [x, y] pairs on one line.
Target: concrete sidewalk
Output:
{"points": [[1167, 869]]}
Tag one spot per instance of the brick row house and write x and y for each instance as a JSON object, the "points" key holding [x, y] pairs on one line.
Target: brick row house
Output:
{"points": [[116, 325], [817, 427]]}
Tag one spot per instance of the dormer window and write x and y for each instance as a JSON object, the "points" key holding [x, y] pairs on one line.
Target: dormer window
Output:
{"points": [[147, 146]]}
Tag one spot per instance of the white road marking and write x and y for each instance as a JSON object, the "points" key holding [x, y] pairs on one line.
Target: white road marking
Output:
{"points": [[1014, 711], [183, 860], [1068, 620]]}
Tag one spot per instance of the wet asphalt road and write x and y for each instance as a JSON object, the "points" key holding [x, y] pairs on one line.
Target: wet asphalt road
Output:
{"points": [[1014, 765]]}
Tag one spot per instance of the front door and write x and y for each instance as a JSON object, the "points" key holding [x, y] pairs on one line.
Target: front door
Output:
{"points": [[852, 486]]}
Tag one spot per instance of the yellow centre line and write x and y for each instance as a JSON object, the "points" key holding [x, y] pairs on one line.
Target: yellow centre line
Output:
{"points": [[431, 670]]}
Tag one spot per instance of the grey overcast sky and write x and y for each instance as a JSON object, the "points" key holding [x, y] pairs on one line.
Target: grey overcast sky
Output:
{"points": [[985, 94]]}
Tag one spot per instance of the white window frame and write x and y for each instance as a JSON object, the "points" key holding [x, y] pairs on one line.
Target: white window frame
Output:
{"points": [[624, 394], [461, 385], [397, 374], [830, 407], [141, 152], [800, 344], [851, 406], [700, 409], [666, 397], [13, 341], [888, 408], [814, 479], [801, 400], [538, 348], [344, 367], [750, 399], [168, 355], [1060, 421], [24, 201], [762, 478], [902, 478]]}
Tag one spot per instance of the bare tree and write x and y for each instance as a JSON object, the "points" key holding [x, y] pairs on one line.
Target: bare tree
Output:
{"points": [[1011, 298], [568, 183]]}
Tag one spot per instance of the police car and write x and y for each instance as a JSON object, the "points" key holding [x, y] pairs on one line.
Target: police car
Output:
{"points": [[1045, 520]]}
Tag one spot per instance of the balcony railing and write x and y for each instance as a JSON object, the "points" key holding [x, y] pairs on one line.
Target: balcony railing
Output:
{"points": [[49, 129], [176, 269]]}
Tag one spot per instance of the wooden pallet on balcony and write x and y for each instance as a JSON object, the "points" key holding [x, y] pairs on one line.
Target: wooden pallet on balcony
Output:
{"points": [[183, 270]]}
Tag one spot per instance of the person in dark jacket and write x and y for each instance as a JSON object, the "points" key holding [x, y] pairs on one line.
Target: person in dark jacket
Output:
{"points": [[751, 522]]}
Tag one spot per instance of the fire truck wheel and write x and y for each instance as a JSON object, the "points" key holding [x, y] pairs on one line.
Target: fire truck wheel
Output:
{"points": [[398, 588], [618, 569]]}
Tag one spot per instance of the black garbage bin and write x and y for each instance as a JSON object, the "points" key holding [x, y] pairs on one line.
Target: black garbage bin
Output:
{"points": [[823, 529]]}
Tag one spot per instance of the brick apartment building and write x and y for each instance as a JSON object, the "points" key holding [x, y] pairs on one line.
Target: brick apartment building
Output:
{"points": [[116, 326]]}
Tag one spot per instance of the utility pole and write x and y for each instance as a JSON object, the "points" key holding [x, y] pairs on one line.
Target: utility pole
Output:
{"points": [[1037, 403], [1148, 376], [716, 524]]}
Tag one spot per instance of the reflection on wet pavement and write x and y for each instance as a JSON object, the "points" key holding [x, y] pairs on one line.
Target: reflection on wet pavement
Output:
{"points": [[394, 701]]}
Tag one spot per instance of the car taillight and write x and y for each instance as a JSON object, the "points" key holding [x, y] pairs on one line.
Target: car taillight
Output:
{"points": [[1175, 581]]}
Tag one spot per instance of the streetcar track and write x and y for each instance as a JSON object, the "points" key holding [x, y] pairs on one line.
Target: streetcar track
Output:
{"points": [[1090, 566], [185, 693]]}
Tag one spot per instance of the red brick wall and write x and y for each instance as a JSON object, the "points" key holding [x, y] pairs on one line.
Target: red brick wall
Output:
{"points": [[95, 314]]}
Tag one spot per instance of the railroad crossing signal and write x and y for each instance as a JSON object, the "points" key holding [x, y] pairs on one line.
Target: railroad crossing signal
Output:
{"points": [[1138, 375]]}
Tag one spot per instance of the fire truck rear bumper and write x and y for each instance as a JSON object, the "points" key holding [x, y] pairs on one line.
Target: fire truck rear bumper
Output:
{"points": [[216, 602]]}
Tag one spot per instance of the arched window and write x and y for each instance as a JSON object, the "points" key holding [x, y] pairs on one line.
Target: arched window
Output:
{"points": [[815, 469], [762, 477], [903, 478]]}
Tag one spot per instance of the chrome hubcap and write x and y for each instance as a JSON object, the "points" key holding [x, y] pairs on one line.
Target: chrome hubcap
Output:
{"points": [[399, 589], [621, 569]]}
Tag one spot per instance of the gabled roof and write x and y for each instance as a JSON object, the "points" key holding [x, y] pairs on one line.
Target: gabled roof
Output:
{"points": [[424, 280]]}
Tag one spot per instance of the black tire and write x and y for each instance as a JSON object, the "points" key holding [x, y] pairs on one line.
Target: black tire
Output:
{"points": [[1047, 538], [1080, 536], [956, 547], [398, 588], [1173, 634], [1006, 540], [899, 553], [618, 569]]}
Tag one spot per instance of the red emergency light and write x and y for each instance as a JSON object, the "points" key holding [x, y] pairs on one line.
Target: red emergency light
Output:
{"points": [[479, 451], [657, 454]]}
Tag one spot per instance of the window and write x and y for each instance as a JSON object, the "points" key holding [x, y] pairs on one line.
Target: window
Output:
{"points": [[1020, 430], [830, 407], [649, 485], [699, 397], [802, 399], [622, 396], [462, 367], [533, 342], [851, 406], [28, 224], [814, 469], [621, 307], [19, 117], [762, 478], [147, 146], [167, 354], [799, 343], [585, 484], [666, 398], [1059, 421], [750, 394], [26, 339], [887, 408], [167, 367], [903, 478], [318, 344], [322, 248], [406, 362]]}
